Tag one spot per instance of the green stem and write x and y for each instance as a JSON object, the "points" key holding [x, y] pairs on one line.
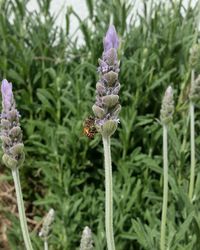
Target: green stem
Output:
{"points": [[165, 189], [20, 203], [192, 142], [109, 196], [46, 245]]}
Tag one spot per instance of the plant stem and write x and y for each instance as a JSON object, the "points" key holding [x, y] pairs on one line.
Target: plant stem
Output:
{"points": [[192, 143], [165, 188], [46, 245], [109, 196], [20, 203]]}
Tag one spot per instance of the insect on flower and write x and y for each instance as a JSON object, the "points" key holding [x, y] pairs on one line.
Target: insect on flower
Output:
{"points": [[89, 128]]}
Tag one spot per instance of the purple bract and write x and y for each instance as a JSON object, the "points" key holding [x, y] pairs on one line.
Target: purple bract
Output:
{"points": [[111, 39], [7, 95]]}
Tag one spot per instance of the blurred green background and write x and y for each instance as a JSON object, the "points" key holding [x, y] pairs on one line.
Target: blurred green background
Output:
{"points": [[54, 80]]}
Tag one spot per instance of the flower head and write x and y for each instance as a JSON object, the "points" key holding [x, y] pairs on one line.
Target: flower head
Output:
{"points": [[167, 108], [195, 57], [47, 224], [11, 134], [86, 240], [195, 90], [107, 107]]}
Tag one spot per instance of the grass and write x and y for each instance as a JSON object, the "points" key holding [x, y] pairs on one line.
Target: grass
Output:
{"points": [[54, 82]]}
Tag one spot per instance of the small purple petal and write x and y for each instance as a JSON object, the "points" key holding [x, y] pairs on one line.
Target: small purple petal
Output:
{"points": [[103, 66], [7, 95], [111, 39]]}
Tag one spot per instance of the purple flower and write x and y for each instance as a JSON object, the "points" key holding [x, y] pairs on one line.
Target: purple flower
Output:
{"points": [[111, 39], [7, 95], [11, 133], [107, 107]]}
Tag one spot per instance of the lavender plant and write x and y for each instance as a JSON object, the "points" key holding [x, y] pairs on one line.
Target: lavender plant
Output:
{"points": [[13, 149], [43, 73], [106, 110], [166, 114]]}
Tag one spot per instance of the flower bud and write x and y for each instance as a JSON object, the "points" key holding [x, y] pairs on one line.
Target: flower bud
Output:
{"points": [[100, 88], [47, 224], [111, 78], [6, 140], [16, 132], [17, 149], [110, 100], [110, 57], [11, 133], [195, 58], [195, 90], [116, 111], [99, 112], [167, 109], [107, 128], [86, 239], [9, 161], [5, 123]]}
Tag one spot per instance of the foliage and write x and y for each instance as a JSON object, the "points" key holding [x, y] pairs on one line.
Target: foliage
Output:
{"points": [[54, 82]]}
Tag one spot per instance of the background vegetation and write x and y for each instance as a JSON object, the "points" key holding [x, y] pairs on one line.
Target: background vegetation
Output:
{"points": [[54, 84]]}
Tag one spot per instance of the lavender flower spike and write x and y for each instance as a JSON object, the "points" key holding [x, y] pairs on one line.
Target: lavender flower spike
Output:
{"points": [[47, 225], [167, 109], [86, 239], [107, 107], [11, 134], [195, 90]]}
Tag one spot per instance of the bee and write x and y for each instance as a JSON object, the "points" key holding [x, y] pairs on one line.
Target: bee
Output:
{"points": [[89, 128]]}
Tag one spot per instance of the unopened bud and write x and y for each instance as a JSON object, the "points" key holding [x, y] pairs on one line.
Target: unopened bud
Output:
{"points": [[86, 239], [47, 224], [111, 77], [9, 161], [167, 109], [195, 58], [11, 133], [195, 90], [110, 100], [108, 127], [99, 112]]}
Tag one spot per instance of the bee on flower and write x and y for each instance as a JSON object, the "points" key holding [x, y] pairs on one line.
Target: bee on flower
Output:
{"points": [[89, 128]]}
